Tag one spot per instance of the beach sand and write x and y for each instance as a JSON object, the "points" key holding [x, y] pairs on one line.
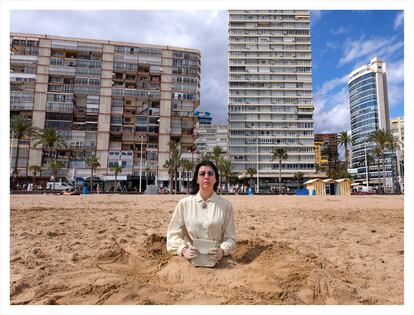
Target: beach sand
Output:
{"points": [[110, 249]]}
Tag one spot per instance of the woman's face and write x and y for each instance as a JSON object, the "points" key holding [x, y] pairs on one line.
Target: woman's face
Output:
{"points": [[206, 178]]}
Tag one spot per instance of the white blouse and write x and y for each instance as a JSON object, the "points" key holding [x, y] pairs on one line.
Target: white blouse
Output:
{"points": [[214, 221]]}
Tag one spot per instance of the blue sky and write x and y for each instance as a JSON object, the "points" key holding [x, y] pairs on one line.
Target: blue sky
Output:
{"points": [[341, 42]]}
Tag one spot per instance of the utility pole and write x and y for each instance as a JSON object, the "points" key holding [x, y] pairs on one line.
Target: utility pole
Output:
{"points": [[257, 163], [140, 166], [366, 165]]}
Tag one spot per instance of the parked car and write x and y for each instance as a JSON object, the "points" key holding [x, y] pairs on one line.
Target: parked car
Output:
{"points": [[59, 186]]}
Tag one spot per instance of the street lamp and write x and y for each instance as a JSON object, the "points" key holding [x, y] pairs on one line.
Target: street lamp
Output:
{"points": [[366, 164], [140, 165], [257, 163]]}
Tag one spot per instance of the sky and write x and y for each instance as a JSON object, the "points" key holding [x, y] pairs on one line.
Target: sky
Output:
{"points": [[341, 41]]}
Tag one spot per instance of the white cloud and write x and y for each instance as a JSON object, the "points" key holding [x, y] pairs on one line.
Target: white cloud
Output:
{"points": [[336, 117], [399, 20], [395, 80], [315, 16], [330, 85], [332, 107], [363, 50], [395, 71], [339, 30]]}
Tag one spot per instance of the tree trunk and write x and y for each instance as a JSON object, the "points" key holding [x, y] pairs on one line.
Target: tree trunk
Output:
{"points": [[54, 180], [188, 182], [171, 183], [383, 171], [346, 158], [280, 176], [17, 157], [91, 180], [116, 183], [379, 172]]}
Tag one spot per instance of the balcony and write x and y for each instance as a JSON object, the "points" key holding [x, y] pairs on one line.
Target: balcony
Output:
{"points": [[21, 106]]}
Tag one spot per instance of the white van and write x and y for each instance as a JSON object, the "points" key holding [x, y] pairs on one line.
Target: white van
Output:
{"points": [[59, 186]]}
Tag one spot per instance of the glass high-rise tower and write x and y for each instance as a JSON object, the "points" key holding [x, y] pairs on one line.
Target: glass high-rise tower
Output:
{"points": [[270, 91], [368, 99]]}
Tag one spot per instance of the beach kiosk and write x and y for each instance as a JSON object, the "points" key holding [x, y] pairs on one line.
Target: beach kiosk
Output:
{"points": [[343, 186], [315, 186], [330, 186]]}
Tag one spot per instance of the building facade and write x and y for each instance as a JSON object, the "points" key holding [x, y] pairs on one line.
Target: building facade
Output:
{"points": [[326, 148], [211, 135], [397, 129], [270, 91], [203, 118], [122, 102], [368, 99]]}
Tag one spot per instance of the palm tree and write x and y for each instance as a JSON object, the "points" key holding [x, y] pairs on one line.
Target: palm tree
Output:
{"points": [[344, 139], [116, 168], [217, 152], [331, 152], [280, 154], [382, 138], [298, 176], [147, 172], [226, 171], [35, 169], [251, 171], [204, 157], [188, 166], [216, 157], [55, 166], [93, 163], [21, 127], [175, 157], [169, 165], [51, 139]]}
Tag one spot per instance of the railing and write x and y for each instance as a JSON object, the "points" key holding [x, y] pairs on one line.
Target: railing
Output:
{"points": [[21, 106]]}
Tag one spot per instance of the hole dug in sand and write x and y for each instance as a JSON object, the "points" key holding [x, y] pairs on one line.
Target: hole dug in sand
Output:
{"points": [[258, 272]]}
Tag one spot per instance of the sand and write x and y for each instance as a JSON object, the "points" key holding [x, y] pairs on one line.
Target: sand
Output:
{"points": [[110, 249]]}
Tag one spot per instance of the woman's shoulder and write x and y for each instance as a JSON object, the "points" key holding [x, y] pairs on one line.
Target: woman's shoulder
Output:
{"points": [[224, 201], [187, 199]]}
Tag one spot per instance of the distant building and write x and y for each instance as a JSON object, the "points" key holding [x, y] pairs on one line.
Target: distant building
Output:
{"points": [[368, 99], [204, 118], [270, 92], [210, 136], [325, 143], [397, 129]]}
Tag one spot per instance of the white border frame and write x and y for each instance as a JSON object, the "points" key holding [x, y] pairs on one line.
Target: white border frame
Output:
{"points": [[8, 5]]}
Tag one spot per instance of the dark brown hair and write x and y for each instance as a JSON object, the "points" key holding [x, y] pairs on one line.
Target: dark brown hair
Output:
{"points": [[194, 185]]}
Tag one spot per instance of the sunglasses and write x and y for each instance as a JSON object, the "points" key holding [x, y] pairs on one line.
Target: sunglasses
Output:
{"points": [[209, 173]]}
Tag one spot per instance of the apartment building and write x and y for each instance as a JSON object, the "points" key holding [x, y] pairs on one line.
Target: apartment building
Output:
{"points": [[121, 101], [368, 99], [397, 129], [324, 141], [211, 135], [270, 92], [203, 118]]}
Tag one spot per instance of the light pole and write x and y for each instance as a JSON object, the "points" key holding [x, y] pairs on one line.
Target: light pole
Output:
{"points": [[140, 165], [257, 164], [11, 151], [366, 164]]}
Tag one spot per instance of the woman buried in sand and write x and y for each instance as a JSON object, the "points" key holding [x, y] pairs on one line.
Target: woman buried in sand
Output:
{"points": [[205, 216]]}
